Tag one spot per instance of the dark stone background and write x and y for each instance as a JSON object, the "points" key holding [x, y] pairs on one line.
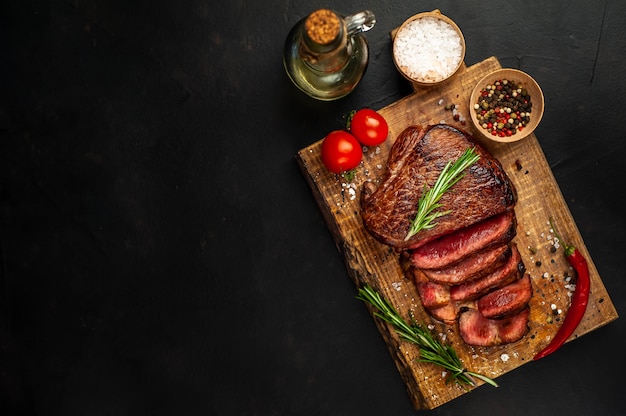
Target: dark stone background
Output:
{"points": [[163, 255]]}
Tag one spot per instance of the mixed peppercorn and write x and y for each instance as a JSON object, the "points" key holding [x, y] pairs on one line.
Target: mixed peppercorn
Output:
{"points": [[503, 108]]}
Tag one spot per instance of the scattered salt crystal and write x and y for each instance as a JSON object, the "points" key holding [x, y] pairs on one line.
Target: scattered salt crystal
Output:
{"points": [[553, 306], [504, 357], [428, 49], [440, 101], [351, 188]]}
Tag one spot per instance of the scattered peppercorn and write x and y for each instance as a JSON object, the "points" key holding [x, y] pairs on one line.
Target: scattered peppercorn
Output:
{"points": [[518, 164], [503, 108]]}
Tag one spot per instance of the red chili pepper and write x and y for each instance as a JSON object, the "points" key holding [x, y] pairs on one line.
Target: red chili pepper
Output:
{"points": [[578, 303]]}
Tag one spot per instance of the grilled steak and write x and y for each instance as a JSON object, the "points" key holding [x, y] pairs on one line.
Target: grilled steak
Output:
{"points": [[416, 159], [507, 300], [433, 294], [512, 270], [475, 329], [453, 247], [471, 268], [447, 313], [466, 267]]}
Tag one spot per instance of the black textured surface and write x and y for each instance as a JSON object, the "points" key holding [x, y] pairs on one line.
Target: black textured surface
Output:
{"points": [[163, 255]]}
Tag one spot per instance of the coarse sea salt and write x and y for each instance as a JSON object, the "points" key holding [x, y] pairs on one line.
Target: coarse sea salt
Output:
{"points": [[428, 49]]}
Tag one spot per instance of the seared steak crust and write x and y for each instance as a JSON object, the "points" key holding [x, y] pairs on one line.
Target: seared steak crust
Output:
{"points": [[416, 159], [466, 268]]}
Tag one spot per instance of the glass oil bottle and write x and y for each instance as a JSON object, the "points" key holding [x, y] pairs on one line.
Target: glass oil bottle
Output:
{"points": [[325, 54]]}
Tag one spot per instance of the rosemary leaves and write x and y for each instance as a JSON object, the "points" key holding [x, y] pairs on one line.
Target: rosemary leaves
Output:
{"points": [[431, 349], [428, 204]]}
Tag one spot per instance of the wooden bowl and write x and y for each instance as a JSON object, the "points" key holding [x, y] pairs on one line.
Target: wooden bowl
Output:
{"points": [[406, 39], [527, 83]]}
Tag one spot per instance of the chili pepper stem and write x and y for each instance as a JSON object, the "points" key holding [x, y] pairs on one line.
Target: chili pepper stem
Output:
{"points": [[568, 248]]}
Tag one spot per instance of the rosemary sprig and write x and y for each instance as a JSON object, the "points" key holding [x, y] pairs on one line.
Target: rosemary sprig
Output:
{"points": [[431, 349], [428, 203]]}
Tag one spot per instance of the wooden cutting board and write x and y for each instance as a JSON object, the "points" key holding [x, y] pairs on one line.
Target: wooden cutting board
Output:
{"points": [[369, 262]]}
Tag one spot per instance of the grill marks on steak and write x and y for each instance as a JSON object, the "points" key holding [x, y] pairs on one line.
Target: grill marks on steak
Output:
{"points": [[466, 268], [416, 159]]}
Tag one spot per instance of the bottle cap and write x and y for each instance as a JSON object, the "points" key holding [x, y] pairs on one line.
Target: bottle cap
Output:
{"points": [[323, 30]]}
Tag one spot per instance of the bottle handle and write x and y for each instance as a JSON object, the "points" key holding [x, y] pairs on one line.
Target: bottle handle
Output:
{"points": [[360, 22]]}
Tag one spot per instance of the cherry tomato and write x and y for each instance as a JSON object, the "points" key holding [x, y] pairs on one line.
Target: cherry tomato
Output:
{"points": [[341, 151], [369, 127]]}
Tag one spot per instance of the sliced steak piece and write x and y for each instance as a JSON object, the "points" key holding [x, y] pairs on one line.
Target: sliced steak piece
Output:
{"points": [[472, 267], [477, 330], [433, 294], [447, 314], [507, 300], [451, 248], [511, 271], [415, 161], [416, 274]]}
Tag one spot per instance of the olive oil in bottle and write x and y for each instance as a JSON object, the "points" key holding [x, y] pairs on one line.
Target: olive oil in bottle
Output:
{"points": [[324, 54]]}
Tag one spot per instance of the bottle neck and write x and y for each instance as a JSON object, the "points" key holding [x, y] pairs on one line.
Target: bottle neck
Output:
{"points": [[325, 45]]}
